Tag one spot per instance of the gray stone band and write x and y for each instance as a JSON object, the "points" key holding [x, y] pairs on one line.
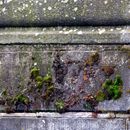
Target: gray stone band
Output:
{"points": [[75, 35], [64, 12], [68, 121]]}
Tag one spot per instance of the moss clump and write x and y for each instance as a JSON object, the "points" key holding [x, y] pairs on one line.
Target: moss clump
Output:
{"points": [[92, 59], [47, 78], [39, 81], [35, 72], [21, 98], [110, 89], [60, 105], [100, 96]]}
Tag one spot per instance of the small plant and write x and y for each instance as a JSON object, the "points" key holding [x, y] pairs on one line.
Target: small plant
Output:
{"points": [[21, 98], [39, 81], [110, 89], [47, 78], [100, 96], [34, 72], [88, 106], [60, 105]]}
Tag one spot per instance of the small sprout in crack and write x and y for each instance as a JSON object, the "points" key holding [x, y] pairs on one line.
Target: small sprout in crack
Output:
{"points": [[60, 106]]}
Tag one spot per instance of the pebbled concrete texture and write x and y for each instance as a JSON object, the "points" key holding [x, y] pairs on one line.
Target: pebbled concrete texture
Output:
{"points": [[64, 12]]}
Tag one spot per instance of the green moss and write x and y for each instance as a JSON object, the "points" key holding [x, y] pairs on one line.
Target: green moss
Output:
{"points": [[60, 105], [88, 106], [100, 96], [21, 98], [110, 89], [47, 78], [115, 91], [118, 81], [35, 72], [39, 81]]}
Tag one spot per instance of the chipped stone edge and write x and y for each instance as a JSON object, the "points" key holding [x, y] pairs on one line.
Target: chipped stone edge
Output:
{"points": [[66, 35]]}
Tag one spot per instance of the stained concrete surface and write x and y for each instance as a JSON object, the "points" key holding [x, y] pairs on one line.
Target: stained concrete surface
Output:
{"points": [[64, 12]]}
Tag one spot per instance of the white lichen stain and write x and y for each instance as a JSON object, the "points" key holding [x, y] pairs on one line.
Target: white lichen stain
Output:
{"points": [[45, 1], [75, 9], [80, 32], [1, 3], [64, 1], [105, 2], [91, 4], [75, 0], [7, 1], [66, 15], [101, 31], [44, 9], [40, 4], [49, 8], [35, 64], [4, 10]]}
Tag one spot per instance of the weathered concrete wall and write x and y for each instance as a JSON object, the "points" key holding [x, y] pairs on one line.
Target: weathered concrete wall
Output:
{"points": [[64, 12], [70, 121], [17, 58]]}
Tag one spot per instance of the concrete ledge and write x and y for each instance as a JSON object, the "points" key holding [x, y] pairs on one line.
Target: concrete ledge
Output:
{"points": [[48, 123], [108, 115], [64, 12], [65, 35]]}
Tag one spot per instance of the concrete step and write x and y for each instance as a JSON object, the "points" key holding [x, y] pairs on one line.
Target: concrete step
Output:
{"points": [[64, 12], [68, 121]]}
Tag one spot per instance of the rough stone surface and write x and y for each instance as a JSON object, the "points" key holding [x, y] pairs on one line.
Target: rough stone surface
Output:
{"points": [[65, 35], [16, 61], [64, 12], [61, 124]]}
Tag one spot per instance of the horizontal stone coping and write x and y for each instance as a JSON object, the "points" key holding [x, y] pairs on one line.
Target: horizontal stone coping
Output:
{"points": [[65, 115], [66, 35], [64, 12]]}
